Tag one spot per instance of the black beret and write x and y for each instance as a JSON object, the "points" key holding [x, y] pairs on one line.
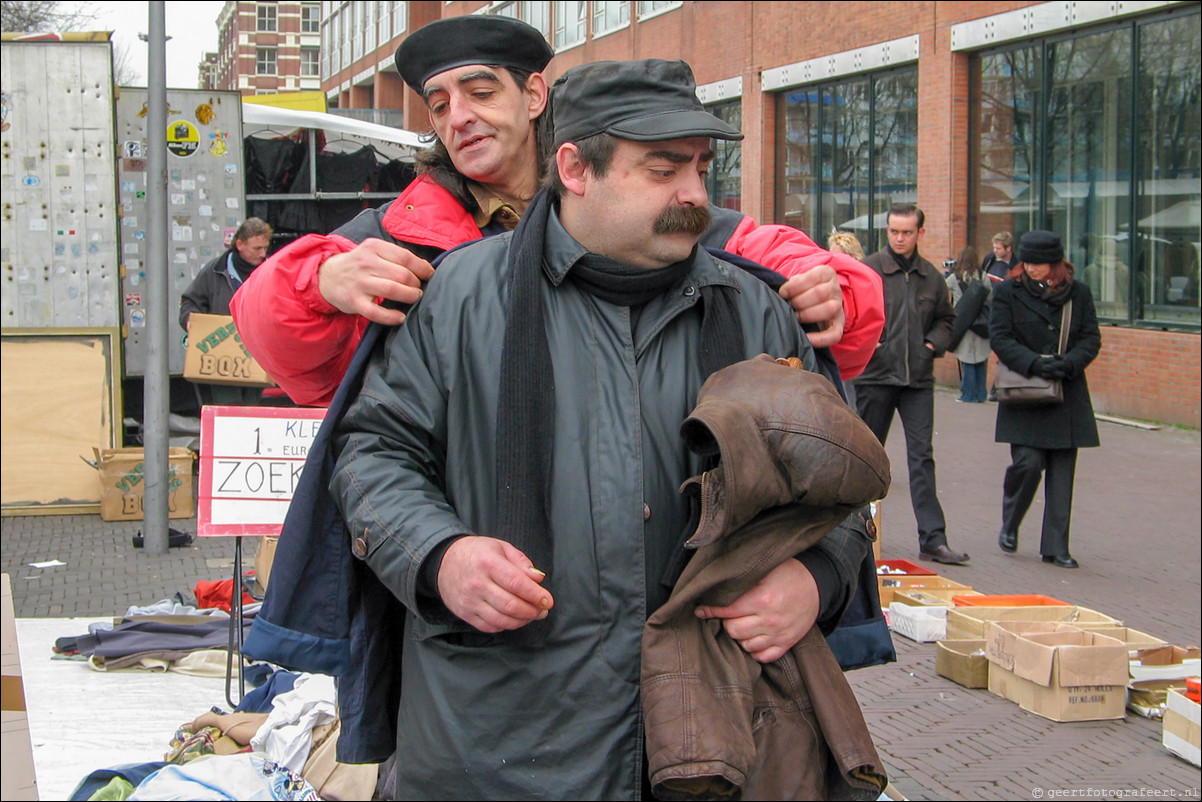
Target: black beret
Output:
{"points": [[1040, 248], [647, 101], [473, 39]]}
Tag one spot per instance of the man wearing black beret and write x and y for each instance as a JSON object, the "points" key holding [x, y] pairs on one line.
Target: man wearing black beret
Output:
{"points": [[481, 79]]}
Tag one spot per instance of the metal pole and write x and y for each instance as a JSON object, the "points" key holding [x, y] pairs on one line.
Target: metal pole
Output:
{"points": [[157, 382]]}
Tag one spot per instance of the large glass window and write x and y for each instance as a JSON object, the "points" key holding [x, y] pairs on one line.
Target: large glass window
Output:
{"points": [[1096, 136], [537, 14], [265, 63], [725, 180], [310, 62], [310, 17], [265, 18], [571, 23], [609, 16], [848, 150]]}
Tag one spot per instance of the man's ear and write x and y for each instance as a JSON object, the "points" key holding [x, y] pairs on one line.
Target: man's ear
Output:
{"points": [[536, 91], [572, 171]]}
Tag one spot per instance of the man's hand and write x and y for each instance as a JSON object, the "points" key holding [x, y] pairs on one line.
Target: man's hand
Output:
{"points": [[492, 585], [817, 298], [772, 617], [353, 281]]}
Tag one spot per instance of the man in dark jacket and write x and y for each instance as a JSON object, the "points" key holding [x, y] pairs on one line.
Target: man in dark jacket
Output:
{"points": [[997, 264], [918, 328], [513, 478], [213, 287]]}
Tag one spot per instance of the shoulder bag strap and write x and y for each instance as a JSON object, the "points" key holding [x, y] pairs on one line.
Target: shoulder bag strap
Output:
{"points": [[1065, 317]]}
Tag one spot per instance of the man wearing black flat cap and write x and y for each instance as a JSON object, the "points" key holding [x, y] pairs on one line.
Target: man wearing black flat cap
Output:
{"points": [[481, 79], [511, 464]]}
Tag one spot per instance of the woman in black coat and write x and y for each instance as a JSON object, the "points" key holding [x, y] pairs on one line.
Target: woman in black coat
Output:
{"points": [[1024, 330]]}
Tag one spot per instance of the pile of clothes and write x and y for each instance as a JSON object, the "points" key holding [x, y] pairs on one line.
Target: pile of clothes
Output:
{"points": [[278, 743]]}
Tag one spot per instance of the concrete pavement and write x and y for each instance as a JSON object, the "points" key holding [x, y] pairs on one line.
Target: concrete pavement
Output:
{"points": [[1136, 530]]}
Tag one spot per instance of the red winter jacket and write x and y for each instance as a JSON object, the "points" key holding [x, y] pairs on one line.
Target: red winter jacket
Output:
{"points": [[305, 344]]}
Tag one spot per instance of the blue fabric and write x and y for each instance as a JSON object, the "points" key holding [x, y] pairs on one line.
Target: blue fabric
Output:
{"points": [[260, 699], [134, 773]]}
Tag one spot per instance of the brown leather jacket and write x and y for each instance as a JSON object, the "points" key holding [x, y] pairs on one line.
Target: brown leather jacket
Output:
{"points": [[795, 461]]}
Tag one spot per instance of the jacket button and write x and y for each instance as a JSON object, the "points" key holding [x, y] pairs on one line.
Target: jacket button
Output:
{"points": [[359, 547], [690, 291], [646, 512]]}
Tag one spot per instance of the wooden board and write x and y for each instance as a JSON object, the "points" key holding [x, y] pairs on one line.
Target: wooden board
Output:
{"points": [[59, 399]]}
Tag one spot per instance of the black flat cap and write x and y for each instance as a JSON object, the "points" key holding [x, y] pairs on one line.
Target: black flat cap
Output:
{"points": [[474, 39], [646, 101], [1040, 248]]}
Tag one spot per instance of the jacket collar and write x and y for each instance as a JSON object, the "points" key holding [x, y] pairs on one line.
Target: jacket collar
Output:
{"points": [[562, 252], [889, 263]]}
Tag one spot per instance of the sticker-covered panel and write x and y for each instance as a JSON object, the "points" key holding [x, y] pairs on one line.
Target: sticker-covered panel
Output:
{"points": [[58, 241], [205, 201]]}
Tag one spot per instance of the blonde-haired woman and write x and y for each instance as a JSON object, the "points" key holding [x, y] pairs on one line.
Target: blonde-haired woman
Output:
{"points": [[844, 242]]}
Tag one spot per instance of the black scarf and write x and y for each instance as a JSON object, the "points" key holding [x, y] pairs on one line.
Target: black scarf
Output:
{"points": [[1054, 296], [241, 266], [526, 402], [906, 263]]}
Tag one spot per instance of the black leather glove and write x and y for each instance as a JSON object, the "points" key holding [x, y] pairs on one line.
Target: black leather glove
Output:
{"points": [[1062, 366], [1043, 367]]}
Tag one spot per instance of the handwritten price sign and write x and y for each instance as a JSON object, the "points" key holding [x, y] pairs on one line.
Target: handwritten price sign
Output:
{"points": [[251, 460]]}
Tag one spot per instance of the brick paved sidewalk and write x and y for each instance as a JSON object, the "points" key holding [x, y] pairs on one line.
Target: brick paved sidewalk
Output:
{"points": [[1137, 530]]}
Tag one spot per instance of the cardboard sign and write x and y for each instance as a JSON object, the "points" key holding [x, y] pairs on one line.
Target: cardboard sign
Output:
{"points": [[216, 355], [251, 460]]}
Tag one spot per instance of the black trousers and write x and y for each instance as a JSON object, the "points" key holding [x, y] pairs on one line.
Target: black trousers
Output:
{"points": [[876, 404], [1059, 467]]}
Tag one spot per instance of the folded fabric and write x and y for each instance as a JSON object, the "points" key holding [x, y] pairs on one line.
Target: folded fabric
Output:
{"points": [[261, 699], [142, 635], [287, 735], [133, 773], [336, 781], [244, 776]]}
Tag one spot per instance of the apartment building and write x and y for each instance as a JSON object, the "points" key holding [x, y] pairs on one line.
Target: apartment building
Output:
{"points": [[265, 48]]}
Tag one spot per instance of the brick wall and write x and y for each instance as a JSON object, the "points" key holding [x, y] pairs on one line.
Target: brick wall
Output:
{"points": [[1145, 375]]}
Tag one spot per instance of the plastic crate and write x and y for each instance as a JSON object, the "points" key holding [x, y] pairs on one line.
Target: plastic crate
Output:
{"points": [[1020, 600], [907, 568]]}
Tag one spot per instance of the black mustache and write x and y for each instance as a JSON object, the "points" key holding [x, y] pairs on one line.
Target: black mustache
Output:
{"points": [[683, 220]]}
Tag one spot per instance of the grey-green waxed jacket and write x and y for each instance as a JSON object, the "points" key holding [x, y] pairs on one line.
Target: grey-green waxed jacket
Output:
{"points": [[480, 716]]}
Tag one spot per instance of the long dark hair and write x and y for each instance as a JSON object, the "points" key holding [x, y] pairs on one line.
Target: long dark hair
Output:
{"points": [[436, 161], [968, 266]]}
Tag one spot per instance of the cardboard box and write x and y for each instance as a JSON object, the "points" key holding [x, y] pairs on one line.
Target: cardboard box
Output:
{"points": [[18, 780], [888, 585], [216, 355], [1067, 674], [122, 483], [263, 560], [1134, 639], [971, 623], [963, 662], [922, 624], [930, 597], [1182, 730], [1154, 671]]}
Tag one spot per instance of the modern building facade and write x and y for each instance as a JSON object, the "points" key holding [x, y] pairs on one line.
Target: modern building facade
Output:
{"points": [[1079, 117], [265, 48]]}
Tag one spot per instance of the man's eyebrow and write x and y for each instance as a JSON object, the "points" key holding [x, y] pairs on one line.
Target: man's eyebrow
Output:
{"points": [[676, 156], [479, 75]]}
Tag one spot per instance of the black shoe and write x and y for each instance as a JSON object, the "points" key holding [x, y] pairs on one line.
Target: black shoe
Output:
{"points": [[1008, 542], [944, 555], [1061, 562]]}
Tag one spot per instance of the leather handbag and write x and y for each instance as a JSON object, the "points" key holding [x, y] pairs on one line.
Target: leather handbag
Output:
{"points": [[1015, 389]]}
